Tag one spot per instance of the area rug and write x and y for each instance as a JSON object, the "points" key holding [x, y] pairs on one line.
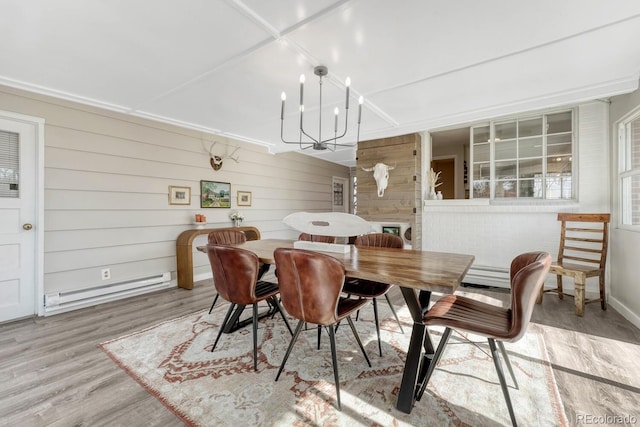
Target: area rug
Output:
{"points": [[173, 361]]}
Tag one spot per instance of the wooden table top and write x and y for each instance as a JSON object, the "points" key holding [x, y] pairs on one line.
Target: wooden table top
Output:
{"points": [[432, 271]]}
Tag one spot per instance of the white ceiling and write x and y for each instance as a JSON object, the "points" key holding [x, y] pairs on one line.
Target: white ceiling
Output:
{"points": [[220, 66]]}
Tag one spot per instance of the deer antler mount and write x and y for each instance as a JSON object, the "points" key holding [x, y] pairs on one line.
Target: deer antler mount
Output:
{"points": [[216, 161]]}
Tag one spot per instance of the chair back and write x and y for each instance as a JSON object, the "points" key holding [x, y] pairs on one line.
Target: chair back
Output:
{"points": [[226, 237], [381, 240], [310, 284], [235, 273], [528, 271], [317, 238], [584, 238]]}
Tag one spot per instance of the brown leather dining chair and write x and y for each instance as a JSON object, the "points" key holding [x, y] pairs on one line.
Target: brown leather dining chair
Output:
{"points": [[235, 274], [582, 254], [497, 324], [224, 237], [310, 289], [316, 238], [370, 289]]}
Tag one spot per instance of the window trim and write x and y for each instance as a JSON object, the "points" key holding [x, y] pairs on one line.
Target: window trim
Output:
{"points": [[625, 170]]}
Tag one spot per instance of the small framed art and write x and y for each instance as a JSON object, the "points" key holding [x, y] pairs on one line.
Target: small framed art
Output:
{"points": [[244, 198], [214, 194], [179, 195]]}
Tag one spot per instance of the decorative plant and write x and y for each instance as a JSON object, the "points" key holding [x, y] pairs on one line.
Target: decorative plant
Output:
{"points": [[432, 178], [236, 216]]}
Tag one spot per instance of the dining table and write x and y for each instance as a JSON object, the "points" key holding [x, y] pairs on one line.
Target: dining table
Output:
{"points": [[417, 273]]}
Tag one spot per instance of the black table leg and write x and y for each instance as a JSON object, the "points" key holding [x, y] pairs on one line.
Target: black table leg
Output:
{"points": [[417, 305], [234, 323]]}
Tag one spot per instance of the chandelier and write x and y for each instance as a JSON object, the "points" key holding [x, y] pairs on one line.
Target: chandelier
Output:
{"points": [[319, 143]]}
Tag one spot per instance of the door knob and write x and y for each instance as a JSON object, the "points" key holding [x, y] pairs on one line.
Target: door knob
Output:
{"points": [[27, 227]]}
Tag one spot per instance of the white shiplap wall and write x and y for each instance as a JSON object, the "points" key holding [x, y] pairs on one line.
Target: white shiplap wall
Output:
{"points": [[106, 190]]}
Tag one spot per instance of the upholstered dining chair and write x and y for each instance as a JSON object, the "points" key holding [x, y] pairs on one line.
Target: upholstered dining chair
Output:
{"points": [[224, 237], [235, 275], [370, 289], [317, 238], [497, 324], [582, 254], [310, 289]]}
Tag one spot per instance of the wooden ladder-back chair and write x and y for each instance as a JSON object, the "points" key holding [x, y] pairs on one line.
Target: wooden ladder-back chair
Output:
{"points": [[582, 254]]}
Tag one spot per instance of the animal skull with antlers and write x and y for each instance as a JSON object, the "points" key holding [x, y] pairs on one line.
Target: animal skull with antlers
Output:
{"points": [[216, 161], [381, 175]]}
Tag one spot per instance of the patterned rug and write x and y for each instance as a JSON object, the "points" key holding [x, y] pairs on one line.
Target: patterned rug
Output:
{"points": [[172, 360]]}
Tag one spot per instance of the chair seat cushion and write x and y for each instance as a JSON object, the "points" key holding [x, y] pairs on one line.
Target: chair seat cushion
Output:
{"points": [[458, 312], [365, 288]]}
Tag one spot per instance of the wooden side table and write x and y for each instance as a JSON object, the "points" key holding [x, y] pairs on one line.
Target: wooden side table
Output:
{"points": [[184, 251]]}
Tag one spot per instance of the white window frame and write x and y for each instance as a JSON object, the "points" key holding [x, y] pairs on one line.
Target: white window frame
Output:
{"points": [[626, 172], [492, 161]]}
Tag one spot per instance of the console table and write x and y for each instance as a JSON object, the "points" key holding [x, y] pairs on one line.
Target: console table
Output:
{"points": [[184, 251]]}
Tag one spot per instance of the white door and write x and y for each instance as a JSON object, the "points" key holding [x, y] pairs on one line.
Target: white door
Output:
{"points": [[18, 145]]}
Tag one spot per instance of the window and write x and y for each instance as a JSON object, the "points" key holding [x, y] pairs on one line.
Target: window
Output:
{"points": [[629, 175], [524, 158]]}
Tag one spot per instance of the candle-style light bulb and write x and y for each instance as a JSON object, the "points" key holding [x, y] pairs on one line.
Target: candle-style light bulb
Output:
{"points": [[360, 102], [347, 83], [336, 112], [301, 88], [283, 97], [301, 112]]}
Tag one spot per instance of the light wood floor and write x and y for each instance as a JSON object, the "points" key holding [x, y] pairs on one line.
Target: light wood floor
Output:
{"points": [[53, 374]]}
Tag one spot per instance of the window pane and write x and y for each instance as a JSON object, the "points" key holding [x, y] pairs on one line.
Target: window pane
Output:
{"points": [[559, 144], [507, 188], [506, 130], [530, 127], [634, 138], [530, 188], [481, 152], [560, 122], [530, 168], [559, 186], [481, 171], [530, 147], [506, 150], [481, 134], [481, 189], [558, 165], [506, 169], [9, 164]]}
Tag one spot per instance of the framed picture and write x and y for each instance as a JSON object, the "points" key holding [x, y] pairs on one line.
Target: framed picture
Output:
{"points": [[244, 198], [391, 229], [214, 194], [179, 195]]}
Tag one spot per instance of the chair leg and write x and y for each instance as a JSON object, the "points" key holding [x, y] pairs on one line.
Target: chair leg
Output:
{"points": [[214, 303], [293, 341], [319, 335], [355, 334], [375, 315], [393, 310], [579, 290], [255, 336], [560, 291], [334, 360], [507, 362], [503, 382], [434, 362], [224, 322], [603, 303], [278, 307]]}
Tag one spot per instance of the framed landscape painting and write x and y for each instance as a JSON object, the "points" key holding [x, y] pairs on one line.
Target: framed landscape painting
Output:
{"points": [[179, 195], [244, 198], [214, 194]]}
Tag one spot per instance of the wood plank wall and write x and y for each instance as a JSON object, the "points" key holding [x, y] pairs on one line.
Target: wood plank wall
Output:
{"points": [[107, 177], [402, 199]]}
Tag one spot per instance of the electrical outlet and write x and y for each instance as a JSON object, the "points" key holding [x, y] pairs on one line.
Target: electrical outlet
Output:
{"points": [[106, 274]]}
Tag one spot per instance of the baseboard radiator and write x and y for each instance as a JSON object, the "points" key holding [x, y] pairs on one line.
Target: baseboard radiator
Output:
{"points": [[487, 276], [61, 302]]}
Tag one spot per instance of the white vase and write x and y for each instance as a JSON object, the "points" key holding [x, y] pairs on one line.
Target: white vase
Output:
{"points": [[236, 223], [432, 194]]}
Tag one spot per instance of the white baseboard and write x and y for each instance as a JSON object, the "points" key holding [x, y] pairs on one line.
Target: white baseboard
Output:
{"points": [[625, 312]]}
